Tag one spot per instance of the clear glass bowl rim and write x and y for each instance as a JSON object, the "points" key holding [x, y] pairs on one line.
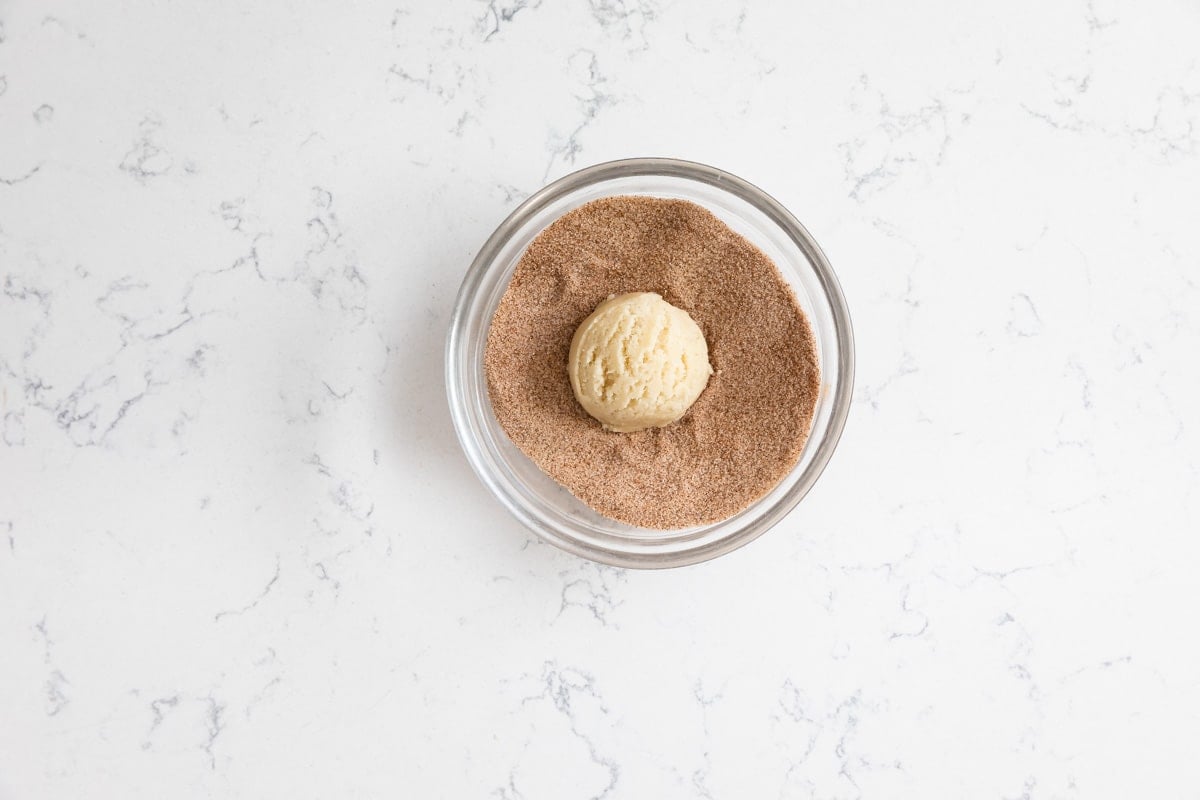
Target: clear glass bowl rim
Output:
{"points": [[772, 210]]}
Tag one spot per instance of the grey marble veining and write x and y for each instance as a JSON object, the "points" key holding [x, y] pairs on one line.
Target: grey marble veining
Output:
{"points": [[241, 554]]}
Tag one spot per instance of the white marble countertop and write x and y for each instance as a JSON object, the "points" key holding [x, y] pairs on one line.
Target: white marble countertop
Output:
{"points": [[241, 554]]}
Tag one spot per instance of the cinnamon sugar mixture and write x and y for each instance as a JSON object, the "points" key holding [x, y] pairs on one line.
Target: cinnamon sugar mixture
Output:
{"points": [[742, 435]]}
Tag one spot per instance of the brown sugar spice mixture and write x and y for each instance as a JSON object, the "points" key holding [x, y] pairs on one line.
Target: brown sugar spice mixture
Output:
{"points": [[743, 434]]}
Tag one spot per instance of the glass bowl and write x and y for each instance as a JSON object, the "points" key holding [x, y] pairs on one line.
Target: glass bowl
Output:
{"points": [[547, 508]]}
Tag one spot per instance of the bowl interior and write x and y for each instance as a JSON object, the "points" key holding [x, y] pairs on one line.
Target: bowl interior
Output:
{"points": [[535, 498]]}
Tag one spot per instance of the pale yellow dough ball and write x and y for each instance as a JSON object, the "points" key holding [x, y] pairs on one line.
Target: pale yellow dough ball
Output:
{"points": [[638, 362]]}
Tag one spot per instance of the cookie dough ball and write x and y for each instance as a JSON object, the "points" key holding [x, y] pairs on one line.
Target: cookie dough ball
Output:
{"points": [[638, 362]]}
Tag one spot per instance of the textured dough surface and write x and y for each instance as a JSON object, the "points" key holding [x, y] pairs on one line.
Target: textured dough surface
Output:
{"points": [[638, 362]]}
